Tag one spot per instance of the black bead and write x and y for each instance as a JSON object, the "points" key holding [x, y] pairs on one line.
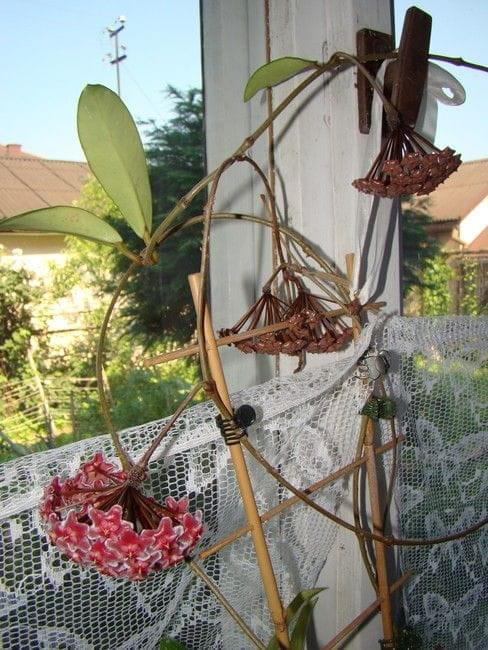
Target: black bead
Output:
{"points": [[244, 416]]}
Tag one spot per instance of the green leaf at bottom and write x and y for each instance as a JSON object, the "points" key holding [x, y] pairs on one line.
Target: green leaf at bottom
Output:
{"points": [[170, 644], [65, 220]]}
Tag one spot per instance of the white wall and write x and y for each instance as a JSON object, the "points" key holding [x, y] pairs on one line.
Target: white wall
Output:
{"points": [[319, 153], [474, 222]]}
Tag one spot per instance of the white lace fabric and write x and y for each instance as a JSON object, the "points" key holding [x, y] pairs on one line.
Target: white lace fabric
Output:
{"points": [[441, 383], [307, 427]]}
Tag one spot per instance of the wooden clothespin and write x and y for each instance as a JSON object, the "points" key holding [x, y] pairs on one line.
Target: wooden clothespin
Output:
{"points": [[405, 76]]}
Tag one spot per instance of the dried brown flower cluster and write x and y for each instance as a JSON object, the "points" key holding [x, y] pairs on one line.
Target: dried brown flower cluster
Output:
{"points": [[408, 164], [310, 329]]}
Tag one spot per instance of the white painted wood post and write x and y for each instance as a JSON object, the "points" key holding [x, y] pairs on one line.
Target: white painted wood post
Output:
{"points": [[319, 152]]}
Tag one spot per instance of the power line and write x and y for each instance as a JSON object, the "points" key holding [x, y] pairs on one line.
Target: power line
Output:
{"points": [[114, 32]]}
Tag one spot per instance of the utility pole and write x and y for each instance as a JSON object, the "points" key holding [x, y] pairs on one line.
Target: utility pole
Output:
{"points": [[114, 33]]}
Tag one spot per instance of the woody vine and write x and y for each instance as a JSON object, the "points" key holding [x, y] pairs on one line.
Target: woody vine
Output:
{"points": [[100, 517]]}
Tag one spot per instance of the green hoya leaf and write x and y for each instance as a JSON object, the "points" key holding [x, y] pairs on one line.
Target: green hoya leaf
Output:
{"points": [[274, 73], [273, 644], [65, 220], [170, 644], [114, 152], [300, 599], [299, 634]]}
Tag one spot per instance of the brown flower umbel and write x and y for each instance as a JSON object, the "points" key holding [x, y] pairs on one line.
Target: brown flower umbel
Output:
{"points": [[268, 310], [309, 321], [408, 163], [309, 327]]}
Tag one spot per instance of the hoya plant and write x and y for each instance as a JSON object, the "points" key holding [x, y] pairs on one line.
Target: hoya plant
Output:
{"points": [[100, 516]]}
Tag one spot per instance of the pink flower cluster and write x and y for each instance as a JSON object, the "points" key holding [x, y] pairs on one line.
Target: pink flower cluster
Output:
{"points": [[87, 518]]}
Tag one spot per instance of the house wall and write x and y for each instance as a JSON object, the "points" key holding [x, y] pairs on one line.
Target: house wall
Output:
{"points": [[474, 222], [37, 253]]}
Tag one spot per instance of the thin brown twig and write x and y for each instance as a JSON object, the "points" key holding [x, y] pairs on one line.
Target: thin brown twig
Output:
{"points": [[364, 615], [287, 503], [459, 61], [386, 540], [104, 407], [368, 565], [157, 441], [197, 570], [286, 231]]}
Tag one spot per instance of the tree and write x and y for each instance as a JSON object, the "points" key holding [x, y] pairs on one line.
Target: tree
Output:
{"points": [[16, 328], [158, 300], [418, 247]]}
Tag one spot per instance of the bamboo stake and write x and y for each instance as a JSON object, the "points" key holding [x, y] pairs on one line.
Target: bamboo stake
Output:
{"points": [[377, 520], [244, 482], [383, 589], [284, 505], [364, 615]]}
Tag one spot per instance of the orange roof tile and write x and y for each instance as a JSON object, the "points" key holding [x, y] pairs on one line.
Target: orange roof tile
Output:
{"points": [[30, 183], [461, 192]]}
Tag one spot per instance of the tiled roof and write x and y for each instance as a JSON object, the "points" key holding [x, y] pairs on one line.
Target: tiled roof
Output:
{"points": [[30, 183], [461, 192]]}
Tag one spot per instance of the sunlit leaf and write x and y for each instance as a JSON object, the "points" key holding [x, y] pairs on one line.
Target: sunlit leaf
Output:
{"points": [[299, 634], [274, 73], [65, 220], [114, 152]]}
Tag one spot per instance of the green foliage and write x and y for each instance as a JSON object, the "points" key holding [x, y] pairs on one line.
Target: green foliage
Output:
{"points": [[157, 298], [89, 264], [469, 302], [64, 220], [137, 394], [298, 615], [114, 152], [275, 72], [418, 247], [17, 297], [170, 644], [436, 295], [156, 302]]}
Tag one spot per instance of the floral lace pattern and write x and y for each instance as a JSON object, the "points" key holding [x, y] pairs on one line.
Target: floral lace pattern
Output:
{"points": [[307, 426], [442, 380]]}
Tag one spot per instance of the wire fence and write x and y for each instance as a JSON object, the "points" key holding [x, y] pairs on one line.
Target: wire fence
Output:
{"points": [[36, 416]]}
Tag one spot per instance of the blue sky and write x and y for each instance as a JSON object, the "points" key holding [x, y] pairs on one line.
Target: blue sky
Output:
{"points": [[51, 48], [459, 29]]}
